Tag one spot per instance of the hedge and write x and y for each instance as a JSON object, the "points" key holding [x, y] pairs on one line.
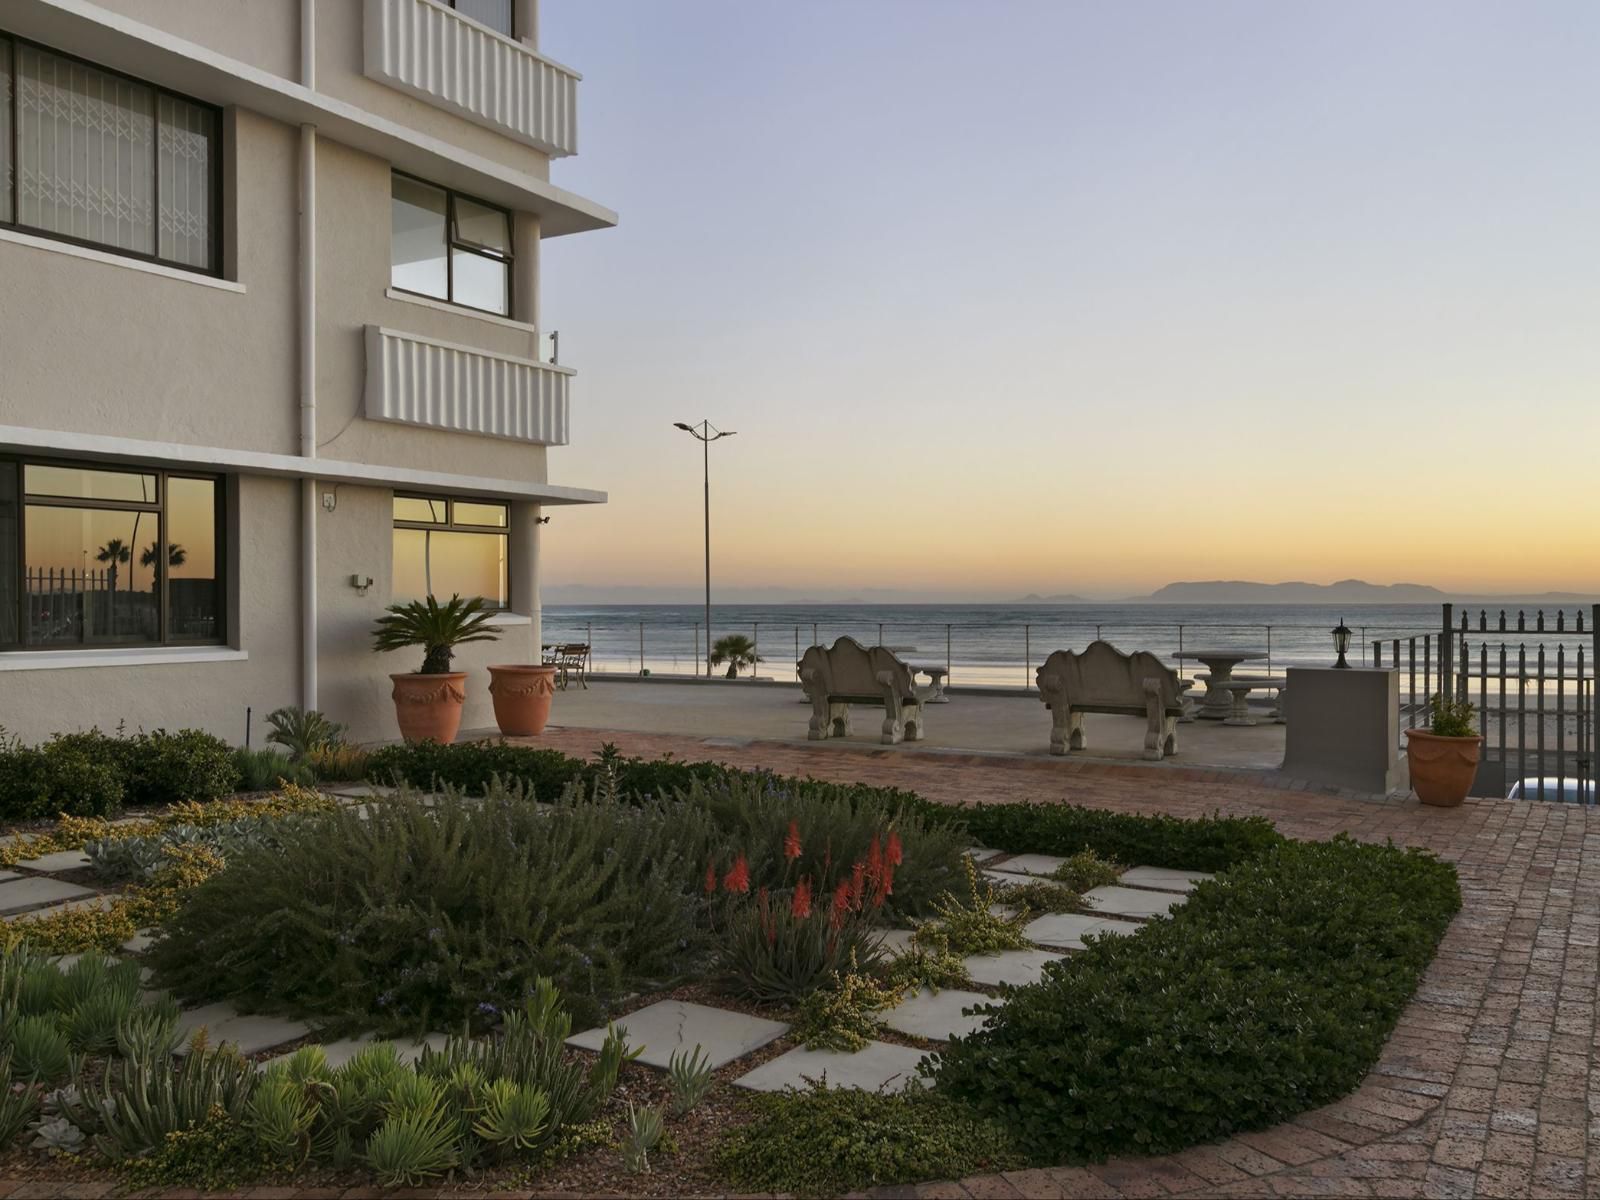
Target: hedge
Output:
{"points": [[92, 774], [1270, 992]]}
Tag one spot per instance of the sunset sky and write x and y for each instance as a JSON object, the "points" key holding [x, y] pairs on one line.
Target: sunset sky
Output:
{"points": [[1050, 297]]}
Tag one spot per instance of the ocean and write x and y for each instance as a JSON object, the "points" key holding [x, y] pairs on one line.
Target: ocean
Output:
{"points": [[999, 644]]}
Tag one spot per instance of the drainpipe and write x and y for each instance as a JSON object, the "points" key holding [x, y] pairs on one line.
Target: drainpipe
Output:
{"points": [[308, 414]]}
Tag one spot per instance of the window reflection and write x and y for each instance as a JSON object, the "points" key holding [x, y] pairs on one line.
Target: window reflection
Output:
{"points": [[417, 254], [85, 580], [496, 14], [193, 596], [442, 563], [81, 483]]}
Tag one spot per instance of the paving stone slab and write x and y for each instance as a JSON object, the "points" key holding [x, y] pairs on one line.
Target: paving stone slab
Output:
{"points": [[1165, 878], [249, 1032], [876, 1065], [1029, 864], [937, 1016], [1016, 967], [897, 941], [60, 860], [8, 876], [21, 894], [139, 942], [1132, 902], [360, 791], [982, 854], [668, 1026], [92, 900], [342, 1051], [1066, 931]]}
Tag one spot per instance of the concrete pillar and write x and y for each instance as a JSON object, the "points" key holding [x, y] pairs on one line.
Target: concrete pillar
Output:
{"points": [[525, 273], [1344, 728], [525, 20], [524, 547]]}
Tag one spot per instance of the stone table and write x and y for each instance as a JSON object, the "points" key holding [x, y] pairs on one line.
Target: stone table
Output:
{"points": [[1218, 702]]}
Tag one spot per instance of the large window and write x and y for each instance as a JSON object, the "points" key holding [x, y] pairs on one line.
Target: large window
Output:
{"points": [[93, 157], [496, 14], [450, 247], [95, 556], [445, 547]]}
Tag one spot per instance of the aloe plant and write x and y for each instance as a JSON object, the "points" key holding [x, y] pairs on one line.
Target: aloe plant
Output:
{"points": [[437, 628]]}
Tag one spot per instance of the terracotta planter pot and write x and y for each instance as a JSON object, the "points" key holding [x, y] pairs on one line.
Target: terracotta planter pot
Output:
{"points": [[428, 707], [522, 697], [1442, 768]]}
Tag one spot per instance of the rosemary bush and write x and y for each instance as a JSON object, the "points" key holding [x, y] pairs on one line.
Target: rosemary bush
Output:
{"points": [[423, 915]]}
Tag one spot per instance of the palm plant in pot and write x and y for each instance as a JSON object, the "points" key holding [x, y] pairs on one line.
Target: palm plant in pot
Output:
{"points": [[1443, 758], [428, 702]]}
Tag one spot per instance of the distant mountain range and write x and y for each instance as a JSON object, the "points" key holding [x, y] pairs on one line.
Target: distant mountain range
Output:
{"points": [[1057, 598], [1345, 591]]}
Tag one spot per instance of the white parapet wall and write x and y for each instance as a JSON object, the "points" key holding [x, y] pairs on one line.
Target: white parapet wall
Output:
{"points": [[429, 51], [423, 381]]}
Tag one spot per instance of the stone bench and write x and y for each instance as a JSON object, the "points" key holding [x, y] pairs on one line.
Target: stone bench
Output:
{"points": [[1102, 679], [835, 677]]}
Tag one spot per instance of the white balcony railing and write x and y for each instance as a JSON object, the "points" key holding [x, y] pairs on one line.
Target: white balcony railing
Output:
{"points": [[428, 50], [421, 381]]}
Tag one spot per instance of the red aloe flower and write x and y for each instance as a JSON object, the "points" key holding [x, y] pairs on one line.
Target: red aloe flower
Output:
{"points": [[801, 907], [791, 841], [895, 853], [841, 904], [875, 861], [711, 877], [885, 887], [738, 879], [858, 881]]}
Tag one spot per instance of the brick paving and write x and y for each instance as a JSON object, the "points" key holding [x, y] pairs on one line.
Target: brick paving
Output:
{"points": [[1490, 1084]]}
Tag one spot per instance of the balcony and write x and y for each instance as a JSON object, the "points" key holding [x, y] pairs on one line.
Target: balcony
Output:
{"points": [[428, 51], [421, 381]]}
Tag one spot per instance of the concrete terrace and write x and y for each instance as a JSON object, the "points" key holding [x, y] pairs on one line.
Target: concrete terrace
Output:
{"points": [[987, 721], [1490, 1085]]}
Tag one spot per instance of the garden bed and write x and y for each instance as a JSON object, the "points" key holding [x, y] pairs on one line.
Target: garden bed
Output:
{"points": [[1268, 990]]}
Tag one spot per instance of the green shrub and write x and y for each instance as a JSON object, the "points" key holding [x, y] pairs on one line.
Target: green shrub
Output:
{"points": [[827, 1141], [263, 770], [171, 768], [968, 923], [78, 774], [1085, 871], [844, 1015], [1138, 839], [471, 767], [1041, 896], [1270, 992], [300, 731], [218, 1152], [1450, 717], [338, 764], [422, 916]]}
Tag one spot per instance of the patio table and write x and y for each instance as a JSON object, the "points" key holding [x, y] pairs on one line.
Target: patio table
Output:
{"points": [[935, 673], [1218, 703]]}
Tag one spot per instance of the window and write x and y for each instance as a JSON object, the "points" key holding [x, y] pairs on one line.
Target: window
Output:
{"points": [[96, 556], [445, 547], [93, 157], [496, 14], [450, 247]]}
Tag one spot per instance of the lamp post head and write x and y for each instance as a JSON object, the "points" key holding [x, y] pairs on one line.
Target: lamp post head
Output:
{"points": [[682, 426], [1341, 643]]}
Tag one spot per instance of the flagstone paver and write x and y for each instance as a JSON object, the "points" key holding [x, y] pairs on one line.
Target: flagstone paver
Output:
{"points": [[668, 1026], [99, 900], [876, 1065], [19, 895], [1028, 864], [59, 860], [1016, 967], [8, 876], [339, 1052], [250, 1032], [937, 1016], [982, 854], [897, 941], [1132, 902], [1066, 931], [1165, 878]]}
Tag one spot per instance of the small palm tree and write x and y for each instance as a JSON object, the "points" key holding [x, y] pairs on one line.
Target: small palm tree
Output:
{"points": [[737, 651], [114, 553], [437, 628], [176, 555]]}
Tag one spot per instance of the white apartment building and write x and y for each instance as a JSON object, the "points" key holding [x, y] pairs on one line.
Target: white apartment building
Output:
{"points": [[270, 330]]}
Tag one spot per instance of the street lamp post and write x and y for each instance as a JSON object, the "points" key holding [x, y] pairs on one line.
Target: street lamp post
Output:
{"points": [[706, 433]]}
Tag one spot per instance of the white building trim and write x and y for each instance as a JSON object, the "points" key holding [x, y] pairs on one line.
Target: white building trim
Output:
{"points": [[136, 452], [132, 656], [110, 259]]}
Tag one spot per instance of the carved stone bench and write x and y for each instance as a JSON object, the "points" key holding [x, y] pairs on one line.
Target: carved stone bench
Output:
{"points": [[835, 677], [1102, 679]]}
